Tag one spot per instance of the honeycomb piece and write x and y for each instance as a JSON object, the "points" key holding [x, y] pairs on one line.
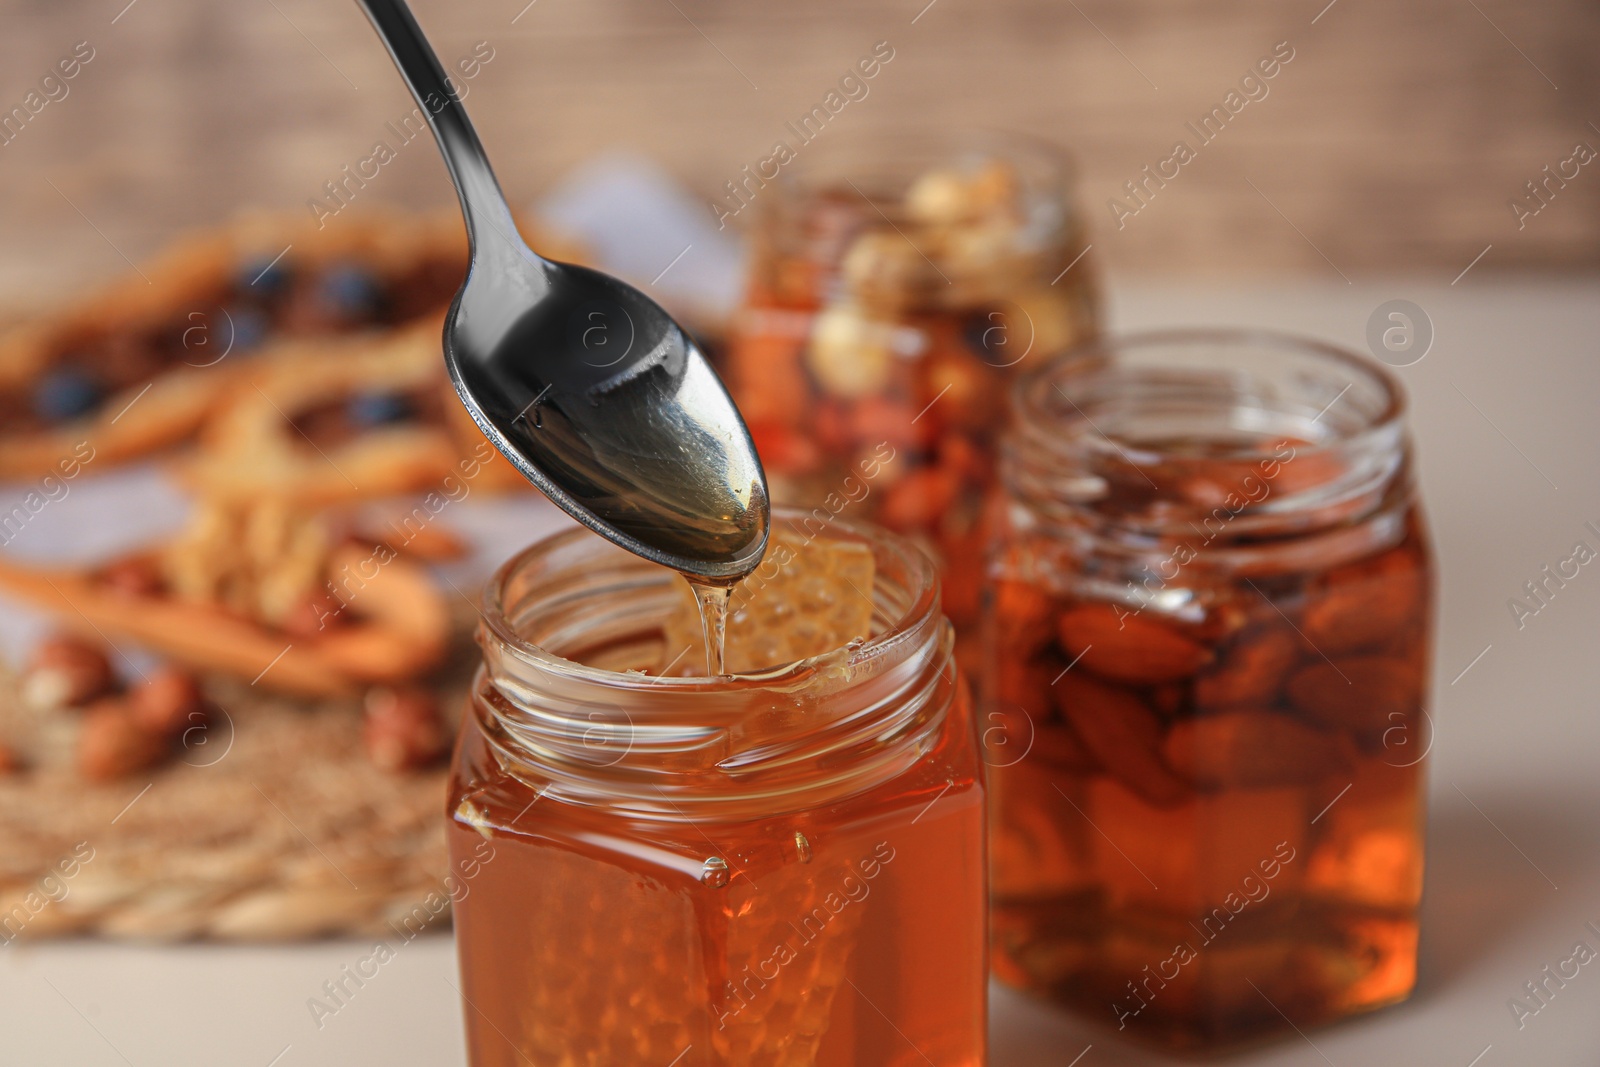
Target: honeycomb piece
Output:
{"points": [[807, 597], [784, 949], [595, 958]]}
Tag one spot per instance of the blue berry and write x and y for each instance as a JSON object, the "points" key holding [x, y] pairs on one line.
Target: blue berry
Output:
{"points": [[65, 394], [249, 328], [378, 409], [350, 290]]}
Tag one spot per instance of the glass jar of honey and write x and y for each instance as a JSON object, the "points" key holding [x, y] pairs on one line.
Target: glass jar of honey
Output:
{"points": [[898, 285], [661, 867], [1209, 617]]}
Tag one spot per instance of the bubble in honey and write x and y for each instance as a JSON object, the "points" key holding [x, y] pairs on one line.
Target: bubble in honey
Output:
{"points": [[715, 872]]}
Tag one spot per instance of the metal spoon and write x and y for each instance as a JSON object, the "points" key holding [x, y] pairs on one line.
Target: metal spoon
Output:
{"points": [[585, 384]]}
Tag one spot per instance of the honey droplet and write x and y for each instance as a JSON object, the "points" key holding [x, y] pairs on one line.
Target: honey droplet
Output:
{"points": [[715, 872], [802, 847]]}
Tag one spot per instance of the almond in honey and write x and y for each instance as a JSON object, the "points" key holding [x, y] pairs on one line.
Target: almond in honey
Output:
{"points": [[1363, 605], [1121, 644], [1254, 750], [1250, 671], [1365, 695], [1122, 733]]}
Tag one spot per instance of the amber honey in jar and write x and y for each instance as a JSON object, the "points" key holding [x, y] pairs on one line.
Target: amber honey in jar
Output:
{"points": [[1208, 619], [784, 865], [898, 285]]}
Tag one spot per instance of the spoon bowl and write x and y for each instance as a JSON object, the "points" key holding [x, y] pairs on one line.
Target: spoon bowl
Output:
{"points": [[585, 384]]}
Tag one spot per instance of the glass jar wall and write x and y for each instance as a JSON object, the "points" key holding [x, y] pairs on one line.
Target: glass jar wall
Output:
{"points": [[692, 871], [1208, 623]]}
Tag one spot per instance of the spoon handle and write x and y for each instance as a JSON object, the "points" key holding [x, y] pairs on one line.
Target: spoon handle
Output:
{"points": [[482, 202]]}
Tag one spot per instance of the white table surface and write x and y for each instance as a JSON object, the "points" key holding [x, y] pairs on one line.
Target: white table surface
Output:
{"points": [[1506, 413]]}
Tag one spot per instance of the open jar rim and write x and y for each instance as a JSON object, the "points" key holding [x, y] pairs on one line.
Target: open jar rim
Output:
{"points": [[1047, 173], [914, 609], [897, 157], [657, 746], [1037, 390], [1258, 436]]}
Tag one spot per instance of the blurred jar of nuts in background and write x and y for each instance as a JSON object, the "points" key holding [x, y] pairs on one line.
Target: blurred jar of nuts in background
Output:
{"points": [[896, 290], [1208, 623]]}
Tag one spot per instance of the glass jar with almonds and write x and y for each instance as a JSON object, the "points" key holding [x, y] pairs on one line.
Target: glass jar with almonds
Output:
{"points": [[1209, 620], [667, 867], [898, 285]]}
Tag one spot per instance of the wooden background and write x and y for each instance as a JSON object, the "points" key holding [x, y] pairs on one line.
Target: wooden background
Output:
{"points": [[1391, 144]]}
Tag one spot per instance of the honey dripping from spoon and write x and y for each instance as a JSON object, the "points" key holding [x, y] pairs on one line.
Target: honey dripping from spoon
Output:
{"points": [[712, 600]]}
